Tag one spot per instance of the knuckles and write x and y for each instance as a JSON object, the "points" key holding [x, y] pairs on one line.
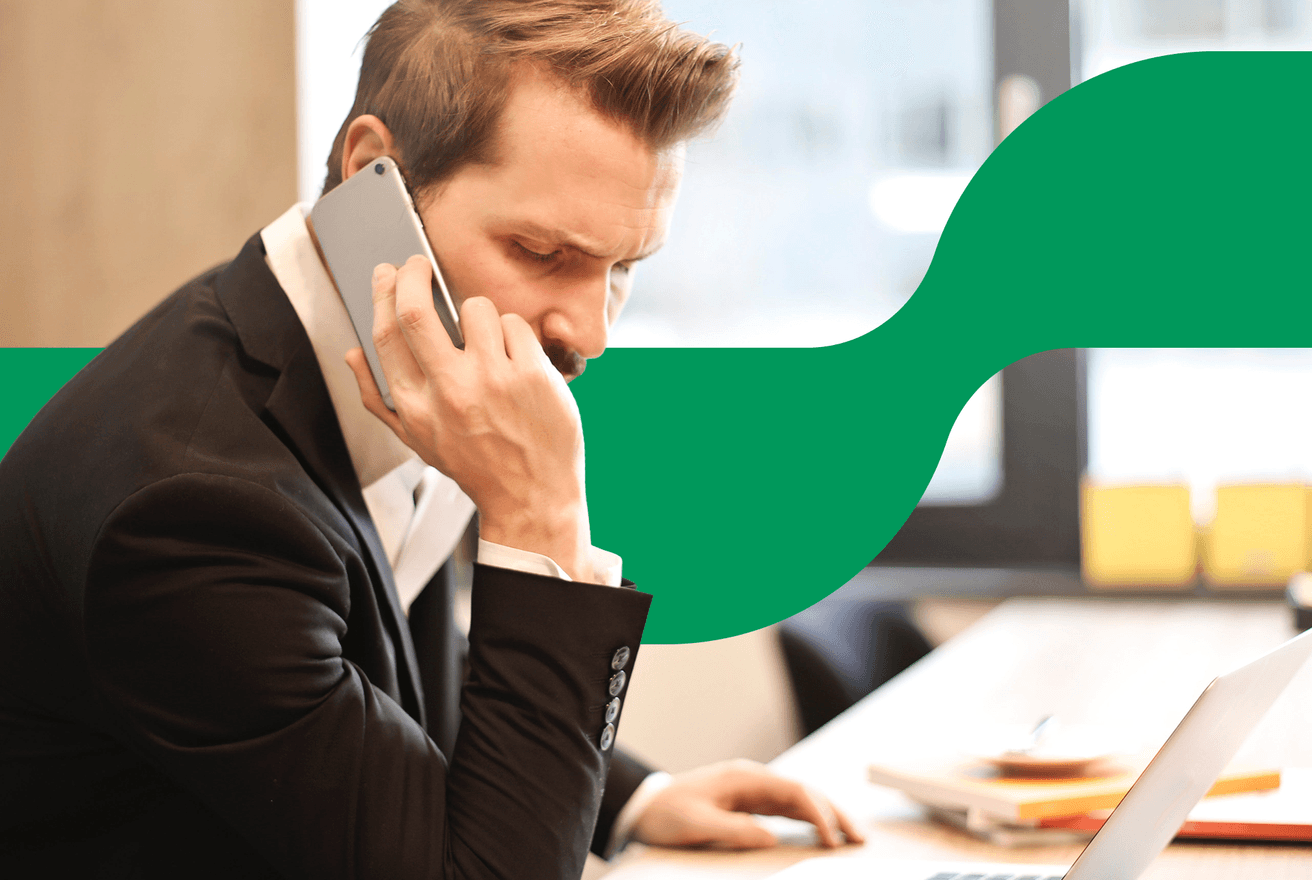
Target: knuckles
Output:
{"points": [[411, 316], [478, 309], [384, 334], [462, 402]]}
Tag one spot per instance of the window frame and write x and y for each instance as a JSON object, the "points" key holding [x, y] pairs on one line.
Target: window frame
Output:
{"points": [[1034, 518]]}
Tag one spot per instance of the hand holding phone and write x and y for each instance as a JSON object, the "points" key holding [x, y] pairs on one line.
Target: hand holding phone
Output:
{"points": [[496, 417]]}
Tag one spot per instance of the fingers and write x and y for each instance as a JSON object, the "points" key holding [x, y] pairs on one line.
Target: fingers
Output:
{"points": [[798, 802], [818, 812], [847, 826], [409, 334], [520, 341], [395, 351], [481, 324], [757, 790], [416, 315], [522, 344]]}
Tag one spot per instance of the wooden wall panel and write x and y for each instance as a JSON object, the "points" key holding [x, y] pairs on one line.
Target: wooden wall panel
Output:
{"points": [[141, 141]]}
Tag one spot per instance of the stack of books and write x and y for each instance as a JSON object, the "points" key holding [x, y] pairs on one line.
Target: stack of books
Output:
{"points": [[1022, 811]]}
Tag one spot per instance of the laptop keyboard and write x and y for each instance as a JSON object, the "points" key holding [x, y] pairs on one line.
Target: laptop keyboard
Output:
{"points": [[950, 875]]}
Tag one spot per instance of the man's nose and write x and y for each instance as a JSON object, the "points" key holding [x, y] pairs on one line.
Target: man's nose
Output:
{"points": [[580, 322]]}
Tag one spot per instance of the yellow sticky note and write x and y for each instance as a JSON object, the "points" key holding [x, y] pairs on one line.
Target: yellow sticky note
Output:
{"points": [[1137, 536], [1259, 537]]}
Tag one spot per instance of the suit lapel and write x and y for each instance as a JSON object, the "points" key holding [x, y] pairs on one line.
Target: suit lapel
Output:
{"points": [[303, 413]]}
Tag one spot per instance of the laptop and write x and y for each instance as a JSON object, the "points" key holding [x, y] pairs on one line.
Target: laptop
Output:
{"points": [[1150, 813]]}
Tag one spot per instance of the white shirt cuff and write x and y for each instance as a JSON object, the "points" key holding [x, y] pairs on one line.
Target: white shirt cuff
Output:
{"points": [[606, 567], [622, 831]]}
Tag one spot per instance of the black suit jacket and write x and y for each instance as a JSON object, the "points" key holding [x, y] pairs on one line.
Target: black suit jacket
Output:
{"points": [[204, 668]]}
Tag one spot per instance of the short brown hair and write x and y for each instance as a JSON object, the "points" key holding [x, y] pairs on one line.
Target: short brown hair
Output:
{"points": [[438, 72]]}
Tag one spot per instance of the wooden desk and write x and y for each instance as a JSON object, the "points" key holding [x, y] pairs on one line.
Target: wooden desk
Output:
{"points": [[1138, 664]]}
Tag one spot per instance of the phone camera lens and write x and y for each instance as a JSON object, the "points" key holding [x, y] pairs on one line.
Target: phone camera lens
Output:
{"points": [[378, 169]]}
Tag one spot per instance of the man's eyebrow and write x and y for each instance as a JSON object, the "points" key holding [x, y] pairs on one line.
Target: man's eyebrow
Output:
{"points": [[564, 238]]}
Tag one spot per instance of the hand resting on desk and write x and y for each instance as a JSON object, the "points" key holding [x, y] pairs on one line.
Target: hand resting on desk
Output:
{"points": [[712, 806]]}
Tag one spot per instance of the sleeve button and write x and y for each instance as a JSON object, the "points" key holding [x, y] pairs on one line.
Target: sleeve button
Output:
{"points": [[621, 658]]}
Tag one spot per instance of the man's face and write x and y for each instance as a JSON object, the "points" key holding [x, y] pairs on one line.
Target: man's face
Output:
{"points": [[552, 231]]}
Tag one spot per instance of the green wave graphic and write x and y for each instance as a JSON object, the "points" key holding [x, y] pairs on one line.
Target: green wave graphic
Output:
{"points": [[1161, 204]]}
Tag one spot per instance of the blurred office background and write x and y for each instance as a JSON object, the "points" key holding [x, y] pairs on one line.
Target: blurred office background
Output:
{"points": [[146, 139]]}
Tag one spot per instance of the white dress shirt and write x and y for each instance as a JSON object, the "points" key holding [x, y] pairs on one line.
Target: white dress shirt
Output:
{"points": [[420, 513]]}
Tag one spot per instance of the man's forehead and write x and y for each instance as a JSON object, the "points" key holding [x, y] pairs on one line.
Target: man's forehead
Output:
{"points": [[546, 121], [566, 175], [650, 238]]}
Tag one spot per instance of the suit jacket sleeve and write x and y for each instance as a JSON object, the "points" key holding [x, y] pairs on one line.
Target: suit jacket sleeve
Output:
{"points": [[216, 614], [626, 774]]}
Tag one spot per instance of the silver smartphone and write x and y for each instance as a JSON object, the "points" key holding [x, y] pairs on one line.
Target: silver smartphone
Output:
{"points": [[366, 220]]}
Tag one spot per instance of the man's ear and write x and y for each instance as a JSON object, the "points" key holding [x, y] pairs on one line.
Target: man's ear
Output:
{"points": [[367, 139]]}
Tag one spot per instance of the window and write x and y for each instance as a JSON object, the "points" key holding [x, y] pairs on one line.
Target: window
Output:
{"points": [[1201, 417]]}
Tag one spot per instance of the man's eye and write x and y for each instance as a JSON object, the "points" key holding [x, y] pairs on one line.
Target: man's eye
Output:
{"points": [[536, 257]]}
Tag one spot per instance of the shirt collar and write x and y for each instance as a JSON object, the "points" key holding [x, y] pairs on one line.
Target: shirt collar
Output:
{"points": [[375, 450]]}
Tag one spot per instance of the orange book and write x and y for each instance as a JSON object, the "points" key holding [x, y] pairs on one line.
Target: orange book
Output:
{"points": [[1282, 814], [977, 786]]}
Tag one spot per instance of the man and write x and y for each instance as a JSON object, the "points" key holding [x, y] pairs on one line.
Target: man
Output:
{"points": [[209, 544]]}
